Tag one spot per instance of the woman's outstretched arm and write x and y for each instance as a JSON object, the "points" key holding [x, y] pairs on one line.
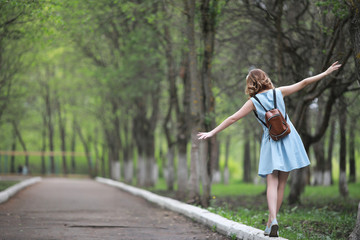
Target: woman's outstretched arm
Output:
{"points": [[288, 90], [245, 110]]}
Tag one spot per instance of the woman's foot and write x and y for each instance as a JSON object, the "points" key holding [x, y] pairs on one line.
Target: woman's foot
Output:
{"points": [[274, 227], [267, 231]]}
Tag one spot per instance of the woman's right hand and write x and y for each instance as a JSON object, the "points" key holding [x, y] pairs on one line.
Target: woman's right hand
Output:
{"points": [[204, 135]]}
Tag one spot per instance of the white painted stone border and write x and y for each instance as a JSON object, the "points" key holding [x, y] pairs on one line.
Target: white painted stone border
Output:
{"points": [[212, 220], [11, 191]]}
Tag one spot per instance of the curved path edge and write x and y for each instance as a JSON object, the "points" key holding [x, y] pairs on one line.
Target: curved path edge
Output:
{"points": [[11, 191], [212, 220]]}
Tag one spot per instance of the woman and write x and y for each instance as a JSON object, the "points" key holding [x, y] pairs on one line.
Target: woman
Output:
{"points": [[277, 158]]}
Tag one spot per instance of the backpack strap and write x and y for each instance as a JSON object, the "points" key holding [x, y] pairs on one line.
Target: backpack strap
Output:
{"points": [[256, 115], [259, 118], [275, 105], [274, 94], [256, 98]]}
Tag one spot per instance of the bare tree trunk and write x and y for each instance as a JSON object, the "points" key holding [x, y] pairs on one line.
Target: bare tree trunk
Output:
{"points": [[215, 149], [182, 170], [13, 149], [85, 143], [21, 140], [103, 152], [328, 179], [320, 163], [342, 123], [196, 101], [279, 41], [50, 127], [97, 155], [184, 125], [43, 147], [141, 173], [73, 147], [209, 12], [173, 104], [62, 128], [354, 7], [299, 176], [352, 131], [170, 168], [226, 168], [128, 155], [247, 157], [355, 235]]}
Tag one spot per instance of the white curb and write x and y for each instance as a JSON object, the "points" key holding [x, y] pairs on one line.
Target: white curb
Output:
{"points": [[212, 220], [11, 191]]}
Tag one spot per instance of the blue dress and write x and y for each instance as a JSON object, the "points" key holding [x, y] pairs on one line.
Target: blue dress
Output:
{"points": [[286, 154]]}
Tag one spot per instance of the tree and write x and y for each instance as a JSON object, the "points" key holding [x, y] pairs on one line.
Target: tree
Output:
{"points": [[195, 99]]}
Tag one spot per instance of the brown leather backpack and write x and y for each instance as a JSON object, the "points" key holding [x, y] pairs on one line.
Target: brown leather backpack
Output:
{"points": [[275, 121]]}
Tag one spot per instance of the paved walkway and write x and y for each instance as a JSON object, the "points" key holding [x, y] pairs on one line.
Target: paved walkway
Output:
{"points": [[84, 209]]}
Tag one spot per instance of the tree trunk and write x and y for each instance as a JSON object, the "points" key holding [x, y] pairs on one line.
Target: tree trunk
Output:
{"points": [[184, 125], [216, 174], [103, 152], [182, 170], [328, 179], [117, 144], [13, 149], [355, 235], [342, 123], [141, 173], [73, 148], [43, 147], [50, 127], [128, 155], [354, 7], [352, 131], [209, 11], [170, 168], [97, 155], [21, 140], [279, 41], [195, 99], [318, 176], [85, 143], [226, 168], [299, 176], [62, 128], [247, 158]]}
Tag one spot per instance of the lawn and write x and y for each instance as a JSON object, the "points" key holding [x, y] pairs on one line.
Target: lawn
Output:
{"points": [[5, 184], [322, 214]]}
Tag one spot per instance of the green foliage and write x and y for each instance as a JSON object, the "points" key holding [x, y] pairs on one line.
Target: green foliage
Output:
{"points": [[338, 8]]}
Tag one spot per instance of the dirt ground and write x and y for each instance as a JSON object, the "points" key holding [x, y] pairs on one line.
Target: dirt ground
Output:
{"points": [[59, 208]]}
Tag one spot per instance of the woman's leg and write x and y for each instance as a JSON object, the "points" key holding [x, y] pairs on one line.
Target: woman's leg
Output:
{"points": [[283, 176], [272, 194]]}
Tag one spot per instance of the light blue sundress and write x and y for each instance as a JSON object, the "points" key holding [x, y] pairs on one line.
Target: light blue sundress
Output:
{"points": [[286, 154]]}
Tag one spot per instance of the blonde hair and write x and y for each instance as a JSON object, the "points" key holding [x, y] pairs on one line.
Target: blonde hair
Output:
{"points": [[256, 81]]}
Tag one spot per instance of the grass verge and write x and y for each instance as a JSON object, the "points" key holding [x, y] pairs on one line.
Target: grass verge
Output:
{"points": [[5, 184], [322, 214]]}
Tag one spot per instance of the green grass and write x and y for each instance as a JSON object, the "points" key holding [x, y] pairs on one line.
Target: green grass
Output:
{"points": [[322, 214], [5, 184]]}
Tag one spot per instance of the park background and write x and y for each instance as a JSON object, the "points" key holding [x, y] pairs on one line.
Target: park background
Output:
{"points": [[119, 89]]}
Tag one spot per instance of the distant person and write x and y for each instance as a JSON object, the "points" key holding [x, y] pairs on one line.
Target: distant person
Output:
{"points": [[25, 170], [277, 158], [20, 169]]}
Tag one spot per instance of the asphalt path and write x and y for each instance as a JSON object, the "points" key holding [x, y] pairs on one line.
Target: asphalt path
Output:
{"points": [[60, 208]]}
